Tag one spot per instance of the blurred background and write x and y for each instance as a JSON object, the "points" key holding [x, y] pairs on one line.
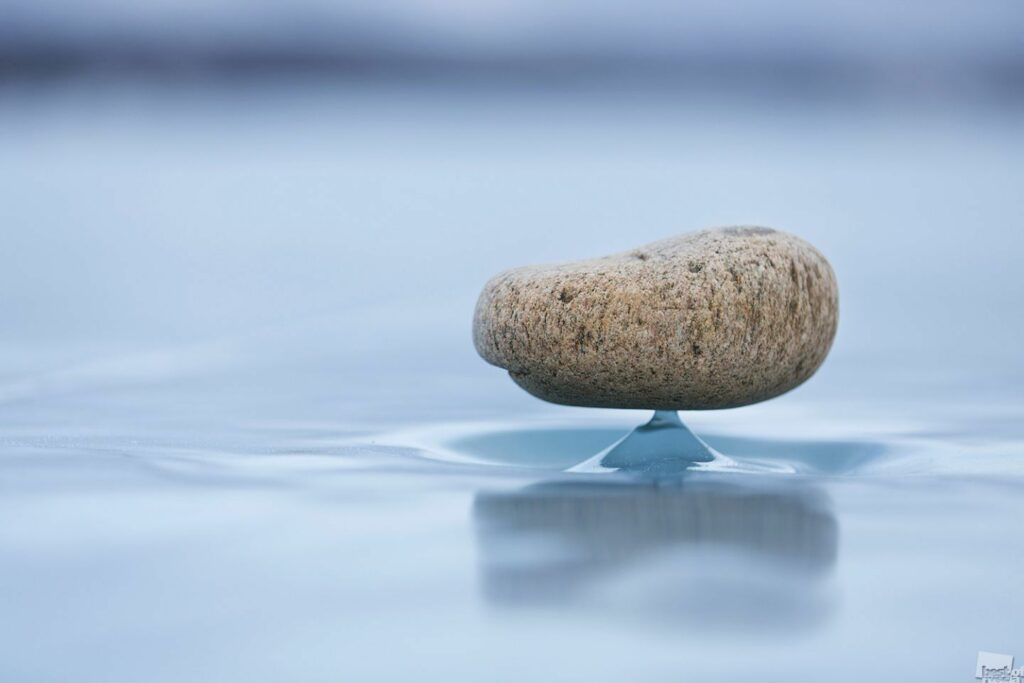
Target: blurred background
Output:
{"points": [[226, 192]]}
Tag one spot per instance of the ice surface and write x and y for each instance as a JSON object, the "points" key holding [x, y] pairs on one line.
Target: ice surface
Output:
{"points": [[244, 435]]}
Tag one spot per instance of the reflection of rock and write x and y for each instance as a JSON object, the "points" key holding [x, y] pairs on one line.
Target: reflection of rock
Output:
{"points": [[709, 551]]}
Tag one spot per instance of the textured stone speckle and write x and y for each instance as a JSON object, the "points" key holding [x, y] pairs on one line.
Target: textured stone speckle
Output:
{"points": [[713, 319]]}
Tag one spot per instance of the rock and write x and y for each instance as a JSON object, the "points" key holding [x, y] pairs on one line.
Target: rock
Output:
{"points": [[713, 319]]}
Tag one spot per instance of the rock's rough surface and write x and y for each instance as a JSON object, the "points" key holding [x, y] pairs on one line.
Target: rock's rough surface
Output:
{"points": [[713, 319]]}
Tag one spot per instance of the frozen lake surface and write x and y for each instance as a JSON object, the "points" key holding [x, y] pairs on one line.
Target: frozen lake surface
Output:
{"points": [[244, 435]]}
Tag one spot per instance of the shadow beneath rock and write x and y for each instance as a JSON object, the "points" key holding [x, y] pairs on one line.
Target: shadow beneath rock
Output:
{"points": [[565, 448], [704, 550]]}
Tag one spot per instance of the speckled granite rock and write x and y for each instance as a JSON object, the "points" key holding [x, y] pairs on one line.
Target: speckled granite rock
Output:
{"points": [[713, 319]]}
